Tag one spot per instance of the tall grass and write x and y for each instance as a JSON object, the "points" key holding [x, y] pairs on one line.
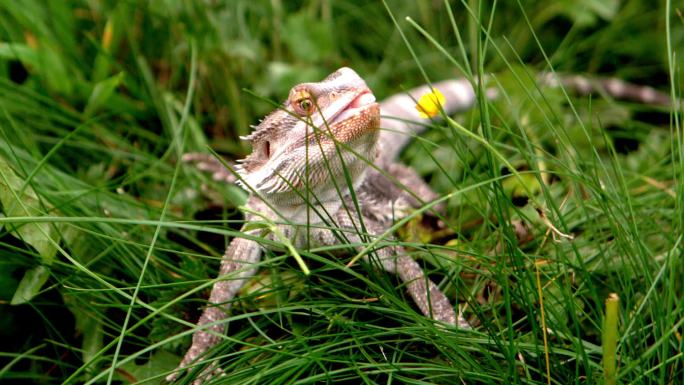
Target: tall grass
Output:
{"points": [[109, 244]]}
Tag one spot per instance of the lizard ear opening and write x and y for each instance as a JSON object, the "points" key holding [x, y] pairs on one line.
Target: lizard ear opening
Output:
{"points": [[267, 149]]}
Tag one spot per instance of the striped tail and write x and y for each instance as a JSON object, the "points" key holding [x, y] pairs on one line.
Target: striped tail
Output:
{"points": [[401, 121]]}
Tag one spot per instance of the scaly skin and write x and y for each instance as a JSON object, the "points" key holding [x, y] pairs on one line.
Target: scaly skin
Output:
{"points": [[296, 177]]}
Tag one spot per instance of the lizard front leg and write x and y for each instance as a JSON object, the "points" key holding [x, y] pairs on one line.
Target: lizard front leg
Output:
{"points": [[237, 266], [430, 299], [393, 259]]}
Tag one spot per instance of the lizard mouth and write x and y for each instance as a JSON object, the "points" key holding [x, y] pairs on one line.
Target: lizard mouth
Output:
{"points": [[363, 102]]}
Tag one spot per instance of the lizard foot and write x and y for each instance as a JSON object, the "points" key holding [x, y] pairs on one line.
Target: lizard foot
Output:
{"points": [[207, 374], [208, 163], [462, 323]]}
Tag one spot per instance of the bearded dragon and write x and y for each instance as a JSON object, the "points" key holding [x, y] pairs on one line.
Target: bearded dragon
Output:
{"points": [[321, 162]]}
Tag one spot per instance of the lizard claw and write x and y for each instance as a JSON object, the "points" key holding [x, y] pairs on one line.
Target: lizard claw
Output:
{"points": [[207, 374], [171, 377], [462, 323], [208, 163]]}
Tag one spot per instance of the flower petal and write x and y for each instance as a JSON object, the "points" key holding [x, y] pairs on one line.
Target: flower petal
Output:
{"points": [[429, 104]]}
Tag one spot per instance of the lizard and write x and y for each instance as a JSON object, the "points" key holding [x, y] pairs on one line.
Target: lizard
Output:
{"points": [[322, 161], [310, 159]]}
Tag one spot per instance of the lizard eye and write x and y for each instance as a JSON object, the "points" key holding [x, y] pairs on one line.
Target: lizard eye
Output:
{"points": [[302, 102], [304, 106]]}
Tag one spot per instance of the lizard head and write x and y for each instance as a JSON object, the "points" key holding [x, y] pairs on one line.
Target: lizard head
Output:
{"points": [[323, 132]]}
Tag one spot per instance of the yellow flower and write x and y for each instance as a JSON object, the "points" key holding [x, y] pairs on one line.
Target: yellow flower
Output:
{"points": [[429, 104]]}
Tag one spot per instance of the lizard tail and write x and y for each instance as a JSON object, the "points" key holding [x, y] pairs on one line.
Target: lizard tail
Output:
{"points": [[401, 121], [612, 87]]}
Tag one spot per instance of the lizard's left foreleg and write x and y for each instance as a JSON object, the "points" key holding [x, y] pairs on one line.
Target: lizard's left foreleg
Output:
{"points": [[425, 293], [430, 299]]}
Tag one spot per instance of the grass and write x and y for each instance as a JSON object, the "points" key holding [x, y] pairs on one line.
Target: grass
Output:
{"points": [[109, 245]]}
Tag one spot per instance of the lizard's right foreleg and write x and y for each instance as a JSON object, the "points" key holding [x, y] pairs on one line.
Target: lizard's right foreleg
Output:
{"points": [[238, 265]]}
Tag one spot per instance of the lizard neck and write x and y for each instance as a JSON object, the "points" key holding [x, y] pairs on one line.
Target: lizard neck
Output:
{"points": [[309, 208]]}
